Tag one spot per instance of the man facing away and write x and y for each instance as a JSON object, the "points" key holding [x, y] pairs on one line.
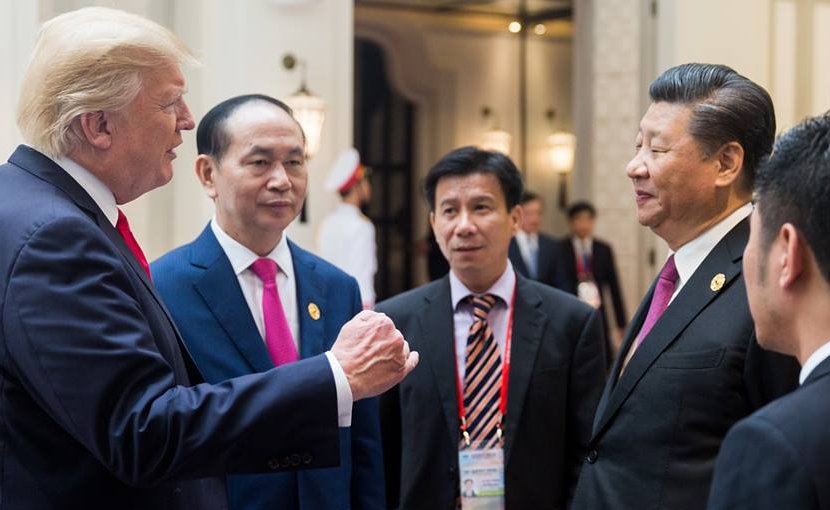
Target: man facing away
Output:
{"points": [[245, 298], [779, 457], [689, 366], [512, 368], [586, 268], [347, 237], [102, 405], [532, 253]]}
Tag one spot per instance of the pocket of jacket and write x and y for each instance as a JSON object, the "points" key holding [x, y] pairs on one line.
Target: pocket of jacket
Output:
{"points": [[691, 360]]}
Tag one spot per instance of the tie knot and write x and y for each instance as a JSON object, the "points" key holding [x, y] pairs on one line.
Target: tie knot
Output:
{"points": [[482, 305], [669, 271], [266, 270]]}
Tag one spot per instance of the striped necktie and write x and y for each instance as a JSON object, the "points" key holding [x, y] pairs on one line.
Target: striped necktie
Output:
{"points": [[482, 377]]}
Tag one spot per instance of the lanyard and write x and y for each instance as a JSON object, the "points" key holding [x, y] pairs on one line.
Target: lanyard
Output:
{"points": [[505, 377]]}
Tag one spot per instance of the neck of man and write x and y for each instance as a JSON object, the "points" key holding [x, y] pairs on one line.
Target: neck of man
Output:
{"points": [[261, 243], [353, 197], [732, 203], [811, 322], [480, 281]]}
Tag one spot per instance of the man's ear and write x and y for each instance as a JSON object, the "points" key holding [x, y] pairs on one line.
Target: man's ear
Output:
{"points": [[96, 128], [793, 257], [516, 214], [206, 168], [731, 159]]}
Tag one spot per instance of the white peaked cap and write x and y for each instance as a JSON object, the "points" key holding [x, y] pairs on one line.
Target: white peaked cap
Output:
{"points": [[343, 171]]}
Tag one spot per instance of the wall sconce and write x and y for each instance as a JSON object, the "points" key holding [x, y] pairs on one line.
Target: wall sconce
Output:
{"points": [[561, 150], [495, 138], [309, 109]]}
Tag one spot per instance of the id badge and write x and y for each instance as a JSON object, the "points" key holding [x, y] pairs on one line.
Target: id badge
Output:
{"points": [[588, 292], [482, 478]]}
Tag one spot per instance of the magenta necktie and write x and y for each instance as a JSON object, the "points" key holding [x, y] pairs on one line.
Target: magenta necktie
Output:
{"points": [[663, 291], [278, 337]]}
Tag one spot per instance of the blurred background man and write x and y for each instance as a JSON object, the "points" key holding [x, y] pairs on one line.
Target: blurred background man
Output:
{"points": [[347, 236], [245, 298], [533, 253], [779, 457], [690, 366], [586, 268], [513, 365]]}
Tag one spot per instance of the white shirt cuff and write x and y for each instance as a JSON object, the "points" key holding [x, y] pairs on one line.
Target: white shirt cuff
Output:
{"points": [[344, 392]]}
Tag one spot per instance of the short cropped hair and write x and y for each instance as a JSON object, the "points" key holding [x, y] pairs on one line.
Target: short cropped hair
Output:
{"points": [[726, 107], [472, 160], [212, 139], [88, 60], [580, 207], [793, 186], [529, 196]]}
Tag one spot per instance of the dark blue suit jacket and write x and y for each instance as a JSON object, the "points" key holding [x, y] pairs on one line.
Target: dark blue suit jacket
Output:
{"points": [[99, 401], [778, 457], [202, 291]]}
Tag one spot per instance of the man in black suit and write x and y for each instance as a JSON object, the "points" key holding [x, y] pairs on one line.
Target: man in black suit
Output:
{"points": [[532, 253], [586, 268], [555, 357], [779, 457], [689, 366]]}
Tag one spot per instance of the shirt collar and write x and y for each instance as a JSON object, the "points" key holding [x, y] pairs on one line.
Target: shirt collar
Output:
{"points": [[503, 288], [813, 361], [241, 257], [582, 244], [97, 190], [526, 237], [349, 208], [691, 255]]}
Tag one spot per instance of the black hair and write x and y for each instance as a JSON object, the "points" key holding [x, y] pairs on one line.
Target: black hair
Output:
{"points": [[211, 137], [726, 107], [793, 186], [472, 160], [579, 207], [529, 196]]}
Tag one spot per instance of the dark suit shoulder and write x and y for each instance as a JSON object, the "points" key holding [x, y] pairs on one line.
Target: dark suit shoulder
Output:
{"points": [[402, 303], [556, 301], [171, 263]]}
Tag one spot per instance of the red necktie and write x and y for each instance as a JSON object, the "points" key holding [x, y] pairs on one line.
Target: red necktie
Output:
{"points": [[278, 337], [123, 227]]}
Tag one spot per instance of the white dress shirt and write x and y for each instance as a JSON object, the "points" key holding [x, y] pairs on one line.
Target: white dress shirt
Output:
{"points": [[692, 254], [498, 317], [529, 249], [815, 359], [583, 246], [252, 287], [105, 200], [347, 240]]}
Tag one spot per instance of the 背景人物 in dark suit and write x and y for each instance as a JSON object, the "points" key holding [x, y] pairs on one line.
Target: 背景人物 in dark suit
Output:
{"points": [[690, 366], [582, 257], [778, 457], [556, 354], [102, 405], [212, 292], [532, 253]]}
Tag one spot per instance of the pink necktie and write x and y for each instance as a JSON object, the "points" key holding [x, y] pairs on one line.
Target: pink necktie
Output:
{"points": [[663, 291], [123, 227], [278, 337]]}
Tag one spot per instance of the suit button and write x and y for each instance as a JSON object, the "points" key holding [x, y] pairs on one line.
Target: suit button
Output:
{"points": [[295, 460], [273, 464], [286, 462], [591, 457], [307, 458]]}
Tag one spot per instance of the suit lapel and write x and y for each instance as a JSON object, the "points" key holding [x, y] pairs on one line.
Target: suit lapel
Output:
{"points": [[309, 290], [696, 295], [528, 323], [219, 287], [435, 322]]}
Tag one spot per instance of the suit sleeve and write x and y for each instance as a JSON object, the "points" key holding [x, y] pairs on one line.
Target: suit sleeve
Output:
{"points": [[758, 469], [587, 378], [367, 456], [82, 348]]}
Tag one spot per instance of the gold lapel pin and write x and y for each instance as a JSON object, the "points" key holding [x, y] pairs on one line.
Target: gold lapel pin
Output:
{"points": [[717, 282], [314, 311]]}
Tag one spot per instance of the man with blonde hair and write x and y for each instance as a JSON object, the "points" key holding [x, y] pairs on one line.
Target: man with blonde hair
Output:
{"points": [[101, 404]]}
